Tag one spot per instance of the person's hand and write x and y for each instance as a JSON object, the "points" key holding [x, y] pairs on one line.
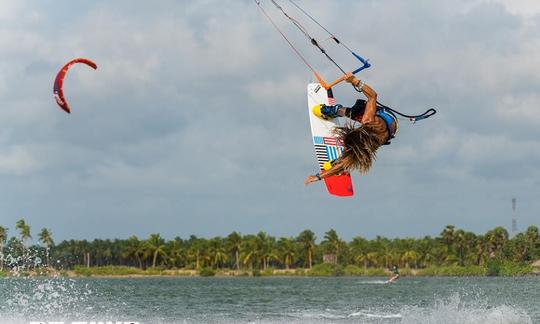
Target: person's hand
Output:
{"points": [[310, 179], [349, 77]]}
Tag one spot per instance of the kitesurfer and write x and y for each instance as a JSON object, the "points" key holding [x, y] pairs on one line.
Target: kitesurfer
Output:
{"points": [[377, 127], [395, 274]]}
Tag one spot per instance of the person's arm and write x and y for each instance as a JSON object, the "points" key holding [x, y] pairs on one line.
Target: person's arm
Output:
{"points": [[371, 104], [312, 178], [336, 169], [371, 95]]}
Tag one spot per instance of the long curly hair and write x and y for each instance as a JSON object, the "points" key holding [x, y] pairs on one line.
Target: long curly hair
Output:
{"points": [[360, 148]]}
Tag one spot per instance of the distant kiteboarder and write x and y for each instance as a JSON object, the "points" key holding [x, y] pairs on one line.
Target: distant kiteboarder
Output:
{"points": [[395, 275]]}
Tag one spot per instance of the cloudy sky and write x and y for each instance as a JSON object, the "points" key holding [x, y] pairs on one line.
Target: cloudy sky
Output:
{"points": [[196, 120]]}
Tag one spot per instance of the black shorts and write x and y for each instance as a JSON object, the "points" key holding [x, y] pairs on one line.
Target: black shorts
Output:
{"points": [[357, 110]]}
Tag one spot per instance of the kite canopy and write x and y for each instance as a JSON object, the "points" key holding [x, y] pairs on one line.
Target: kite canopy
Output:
{"points": [[59, 82]]}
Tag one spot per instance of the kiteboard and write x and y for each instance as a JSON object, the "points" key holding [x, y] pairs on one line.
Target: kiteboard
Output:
{"points": [[327, 146]]}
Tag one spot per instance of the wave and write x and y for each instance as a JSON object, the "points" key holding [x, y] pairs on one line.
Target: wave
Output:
{"points": [[63, 299], [370, 315], [455, 310], [373, 282]]}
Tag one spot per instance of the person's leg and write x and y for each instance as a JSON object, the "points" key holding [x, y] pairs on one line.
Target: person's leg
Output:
{"points": [[356, 112], [328, 112]]}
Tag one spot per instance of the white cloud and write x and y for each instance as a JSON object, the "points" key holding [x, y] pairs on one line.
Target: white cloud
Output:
{"points": [[520, 7], [520, 109], [18, 160], [190, 102]]}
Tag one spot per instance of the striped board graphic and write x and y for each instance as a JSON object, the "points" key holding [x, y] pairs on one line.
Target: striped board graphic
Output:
{"points": [[327, 153], [326, 145]]}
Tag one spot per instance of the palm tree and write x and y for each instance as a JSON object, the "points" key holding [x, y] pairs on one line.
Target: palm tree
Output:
{"points": [[287, 251], [533, 237], [24, 230], [99, 251], [217, 252], [307, 245], [373, 258], [410, 257], [332, 242], [264, 244], [234, 246], [45, 237], [480, 250], [175, 252], [3, 239], [106, 253], [447, 236], [155, 246], [82, 248], [134, 248], [424, 249], [460, 241], [359, 248], [390, 257], [496, 239], [519, 247], [196, 251], [250, 252], [470, 243], [532, 240], [441, 253]]}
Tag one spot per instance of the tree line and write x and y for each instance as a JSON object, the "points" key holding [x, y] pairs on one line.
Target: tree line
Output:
{"points": [[262, 251]]}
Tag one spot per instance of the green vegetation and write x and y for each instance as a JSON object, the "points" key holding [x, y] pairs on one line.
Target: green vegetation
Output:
{"points": [[112, 271], [207, 272], [453, 271], [352, 270], [512, 269], [493, 268], [327, 270], [454, 252]]}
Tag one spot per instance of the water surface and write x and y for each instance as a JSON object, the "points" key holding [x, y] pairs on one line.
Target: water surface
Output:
{"points": [[271, 300]]}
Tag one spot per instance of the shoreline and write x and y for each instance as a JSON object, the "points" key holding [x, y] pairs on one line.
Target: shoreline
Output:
{"points": [[324, 270]]}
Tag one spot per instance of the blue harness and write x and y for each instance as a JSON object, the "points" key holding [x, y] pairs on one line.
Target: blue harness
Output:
{"points": [[389, 119]]}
